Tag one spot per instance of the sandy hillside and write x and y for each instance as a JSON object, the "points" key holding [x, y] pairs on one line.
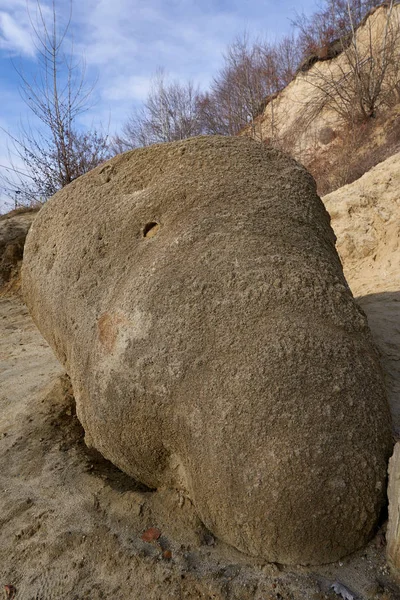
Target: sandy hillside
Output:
{"points": [[314, 124], [71, 523], [299, 115], [366, 219]]}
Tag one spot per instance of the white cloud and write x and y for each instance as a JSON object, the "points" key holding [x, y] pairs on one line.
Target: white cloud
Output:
{"points": [[125, 41], [133, 87], [19, 17], [14, 36]]}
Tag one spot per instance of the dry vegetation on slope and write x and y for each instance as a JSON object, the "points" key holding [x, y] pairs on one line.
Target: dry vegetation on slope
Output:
{"points": [[342, 116]]}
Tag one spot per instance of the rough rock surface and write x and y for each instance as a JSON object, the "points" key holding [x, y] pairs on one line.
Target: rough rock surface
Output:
{"points": [[393, 530], [71, 523], [14, 227], [366, 220], [195, 297]]}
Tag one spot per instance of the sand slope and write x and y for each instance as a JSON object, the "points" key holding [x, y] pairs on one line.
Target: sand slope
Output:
{"points": [[299, 114], [366, 219]]}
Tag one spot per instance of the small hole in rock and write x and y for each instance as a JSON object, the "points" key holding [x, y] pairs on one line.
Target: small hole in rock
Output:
{"points": [[150, 229]]}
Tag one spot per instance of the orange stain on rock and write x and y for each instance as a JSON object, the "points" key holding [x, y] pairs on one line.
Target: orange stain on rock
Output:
{"points": [[108, 326]]}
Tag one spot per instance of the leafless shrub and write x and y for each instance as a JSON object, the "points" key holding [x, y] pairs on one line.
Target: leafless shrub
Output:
{"points": [[330, 23], [287, 56], [355, 151], [48, 156], [252, 73], [170, 113], [367, 78]]}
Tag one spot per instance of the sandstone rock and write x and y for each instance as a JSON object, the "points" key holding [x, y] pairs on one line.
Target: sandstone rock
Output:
{"points": [[393, 529], [366, 220], [194, 294], [365, 217], [14, 227]]}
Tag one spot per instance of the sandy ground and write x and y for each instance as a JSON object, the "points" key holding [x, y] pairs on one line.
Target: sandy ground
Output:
{"points": [[71, 523]]}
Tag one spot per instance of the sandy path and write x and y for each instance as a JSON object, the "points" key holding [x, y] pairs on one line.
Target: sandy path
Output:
{"points": [[21, 344]]}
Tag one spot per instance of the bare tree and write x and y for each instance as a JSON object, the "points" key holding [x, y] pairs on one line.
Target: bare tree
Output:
{"points": [[53, 152], [328, 24], [252, 72], [170, 113], [287, 57], [368, 74], [249, 75]]}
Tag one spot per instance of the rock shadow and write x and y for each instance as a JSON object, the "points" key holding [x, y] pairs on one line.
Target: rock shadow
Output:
{"points": [[383, 313]]}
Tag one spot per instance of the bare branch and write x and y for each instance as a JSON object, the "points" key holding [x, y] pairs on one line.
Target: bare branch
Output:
{"points": [[56, 152], [170, 113], [367, 75]]}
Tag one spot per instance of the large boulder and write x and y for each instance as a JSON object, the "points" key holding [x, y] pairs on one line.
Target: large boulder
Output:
{"points": [[194, 294]]}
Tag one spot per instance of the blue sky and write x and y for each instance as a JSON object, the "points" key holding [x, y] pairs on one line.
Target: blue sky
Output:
{"points": [[125, 41]]}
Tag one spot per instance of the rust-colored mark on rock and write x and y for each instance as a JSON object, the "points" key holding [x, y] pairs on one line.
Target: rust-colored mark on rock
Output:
{"points": [[151, 535], [10, 591], [108, 326]]}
